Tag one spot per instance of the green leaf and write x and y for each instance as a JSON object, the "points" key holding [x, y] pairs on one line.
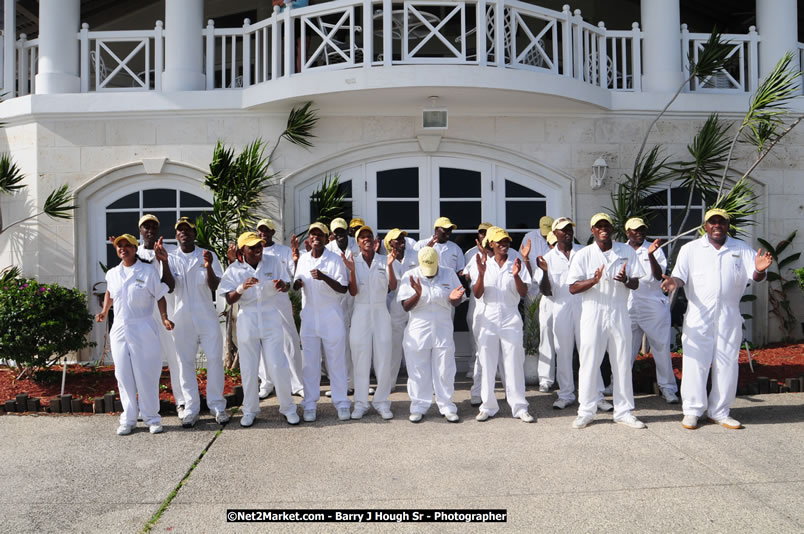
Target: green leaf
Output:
{"points": [[788, 260], [772, 276], [768, 247], [712, 57], [299, 128], [790, 284], [10, 175], [59, 203], [784, 243]]}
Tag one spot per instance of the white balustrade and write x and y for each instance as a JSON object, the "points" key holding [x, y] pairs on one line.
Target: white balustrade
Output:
{"points": [[27, 62], [740, 74]]}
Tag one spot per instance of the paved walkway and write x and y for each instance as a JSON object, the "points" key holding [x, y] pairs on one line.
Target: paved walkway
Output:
{"points": [[73, 474]]}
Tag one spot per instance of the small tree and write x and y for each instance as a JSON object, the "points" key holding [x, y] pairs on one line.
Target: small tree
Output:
{"points": [[778, 285]]}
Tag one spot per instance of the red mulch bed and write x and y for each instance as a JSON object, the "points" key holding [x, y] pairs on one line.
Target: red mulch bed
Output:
{"points": [[86, 383]]}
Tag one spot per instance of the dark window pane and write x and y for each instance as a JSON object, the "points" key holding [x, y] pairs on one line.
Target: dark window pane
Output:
{"points": [[513, 189], [680, 195], [516, 239], [111, 256], [658, 224], [345, 211], [345, 188], [459, 183], [464, 214], [397, 214], [657, 199], [693, 219], [414, 236], [398, 183], [167, 220], [158, 198], [524, 213], [122, 223], [191, 201], [192, 214], [128, 201], [464, 240]]}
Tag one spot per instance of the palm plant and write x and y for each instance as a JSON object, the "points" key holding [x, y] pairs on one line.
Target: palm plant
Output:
{"points": [[779, 286], [326, 202]]}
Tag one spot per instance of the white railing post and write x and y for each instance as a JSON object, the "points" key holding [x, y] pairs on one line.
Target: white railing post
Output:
{"points": [[577, 45], [159, 56], [276, 46], [290, 42], [566, 41], [22, 62], [499, 33], [209, 69], [685, 56], [602, 62], [480, 33], [83, 38], [753, 59], [368, 33], [9, 47], [246, 53], [636, 57], [387, 34]]}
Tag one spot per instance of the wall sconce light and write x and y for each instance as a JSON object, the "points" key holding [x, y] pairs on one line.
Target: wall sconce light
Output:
{"points": [[599, 171], [433, 116]]}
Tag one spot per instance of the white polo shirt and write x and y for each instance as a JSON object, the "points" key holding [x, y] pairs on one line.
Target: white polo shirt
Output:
{"points": [[319, 300], [558, 272], [134, 290], [608, 293], [194, 302], [258, 304], [500, 296], [450, 255], [372, 281], [430, 321], [649, 288]]}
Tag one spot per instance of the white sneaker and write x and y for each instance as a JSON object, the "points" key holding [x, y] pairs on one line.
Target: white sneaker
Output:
{"points": [[155, 429], [560, 404], [475, 400], [358, 413], [727, 422], [248, 419], [343, 414], [669, 396], [482, 415], [309, 416], [190, 420], [690, 422], [630, 421], [526, 417], [386, 414], [544, 388], [180, 411], [328, 393], [371, 391], [222, 417], [608, 390], [604, 405], [415, 417], [265, 393], [582, 421], [124, 430], [292, 418], [299, 393], [452, 417]]}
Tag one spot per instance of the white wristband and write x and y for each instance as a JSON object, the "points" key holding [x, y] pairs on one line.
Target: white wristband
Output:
{"points": [[240, 289]]}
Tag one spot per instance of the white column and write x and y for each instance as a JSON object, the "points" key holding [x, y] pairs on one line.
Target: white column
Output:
{"points": [[661, 45], [9, 53], [777, 24], [59, 22], [184, 46]]}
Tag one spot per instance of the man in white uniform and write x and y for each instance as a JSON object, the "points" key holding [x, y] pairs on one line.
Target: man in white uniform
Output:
{"points": [[500, 282], [321, 276], [450, 255], [534, 245], [604, 273], [266, 230], [649, 308], [714, 272], [254, 284], [370, 278], [427, 293], [197, 273], [397, 242], [474, 364]]}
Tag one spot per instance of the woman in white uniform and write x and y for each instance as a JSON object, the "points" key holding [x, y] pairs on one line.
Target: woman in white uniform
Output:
{"points": [[133, 287], [427, 293], [370, 277], [405, 259], [255, 284]]}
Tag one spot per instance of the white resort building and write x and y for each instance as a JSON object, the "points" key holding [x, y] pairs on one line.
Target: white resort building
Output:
{"points": [[125, 100]]}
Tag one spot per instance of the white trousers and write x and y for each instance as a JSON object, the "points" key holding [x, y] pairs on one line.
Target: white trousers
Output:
{"points": [[475, 367], [398, 325], [605, 329], [255, 344], [509, 339], [168, 348], [547, 352], [187, 338], [137, 368], [652, 317], [371, 335], [334, 349], [429, 370], [292, 347], [699, 356], [566, 334]]}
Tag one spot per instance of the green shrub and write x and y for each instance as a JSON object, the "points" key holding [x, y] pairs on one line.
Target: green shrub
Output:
{"points": [[39, 323]]}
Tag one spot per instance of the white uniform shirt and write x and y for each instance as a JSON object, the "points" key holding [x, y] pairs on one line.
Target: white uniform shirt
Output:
{"points": [[372, 282], [284, 254], [194, 303], [318, 297], [410, 261], [450, 255], [538, 247], [714, 281], [500, 296], [430, 320], [133, 290], [558, 271], [608, 292], [258, 303], [470, 270], [351, 248], [649, 288]]}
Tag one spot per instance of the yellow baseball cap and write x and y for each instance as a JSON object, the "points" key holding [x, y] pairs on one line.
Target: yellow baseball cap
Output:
{"points": [[319, 226], [717, 211], [391, 235], [184, 220], [484, 226], [126, 237], [551, 239], [485, 241], [597, 217], [338, 223], [248, 239], [268, 223], [428, 261], [560, 223], [634, 222], [443, 222], [545, 224], [357, 221], [364, 227], [148, 217], [496, 234]]}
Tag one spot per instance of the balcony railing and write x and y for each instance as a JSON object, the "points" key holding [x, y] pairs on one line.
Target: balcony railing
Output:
{"points": [[351, 34]]}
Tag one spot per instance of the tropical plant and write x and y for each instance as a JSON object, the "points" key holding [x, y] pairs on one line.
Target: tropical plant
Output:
{"points": [[779, 286], [530, 331], [800, 276], [238, 182], [326, 201]]}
